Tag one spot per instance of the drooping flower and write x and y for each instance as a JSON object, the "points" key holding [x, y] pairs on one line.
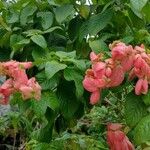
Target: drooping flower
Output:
{"points": [[141, 87], [116, 139], [95, 97]]}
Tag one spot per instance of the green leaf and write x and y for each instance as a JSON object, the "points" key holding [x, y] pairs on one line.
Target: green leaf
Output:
{"points": [[23, 42], [26, 12], [40, 146], [142, 131], [46, 19], [17, 42], [70, 74], [12, 17], [135, 109], [80, 64], [98, 46], [63, 12], [53, 67], [74, 26], [47, 84], [51, 100], [138, 5], [145, 12], [14, 38], [3, 24], [84, 11], [52, 29], [52, 2], [48, 99], [39, 40], [127, 39], [65, 55], [32, 32], [5, 39], [1, 5], [68, 102], [39, 107], [45, 134], [146, 98], [38, 53], [96, 23]]}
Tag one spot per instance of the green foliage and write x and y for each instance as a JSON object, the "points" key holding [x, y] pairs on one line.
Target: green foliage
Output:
{"points": [[57, 36], [141, 132], [39, 40], [53, 67], [135, 109]]}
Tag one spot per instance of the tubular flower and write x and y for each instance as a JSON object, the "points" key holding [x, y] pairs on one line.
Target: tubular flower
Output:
{"points": [[116, 139], [110, 72]]}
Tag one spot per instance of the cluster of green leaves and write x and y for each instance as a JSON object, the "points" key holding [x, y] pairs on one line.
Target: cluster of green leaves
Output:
{"points": [[69, 141], [137, 116], [57, 37]]}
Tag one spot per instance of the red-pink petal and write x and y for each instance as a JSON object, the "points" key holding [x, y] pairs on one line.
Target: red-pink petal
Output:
{"points": [[95, 97], [138, 87], [90, 84]]}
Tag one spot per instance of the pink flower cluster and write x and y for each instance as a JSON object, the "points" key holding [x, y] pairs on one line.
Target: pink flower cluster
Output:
{"points": [[116, 139], [18, 81], [110, 72]]}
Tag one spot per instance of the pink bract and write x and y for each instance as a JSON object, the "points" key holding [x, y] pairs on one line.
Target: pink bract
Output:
{"points": [[116, 139], [18, 81], [111, 72]]}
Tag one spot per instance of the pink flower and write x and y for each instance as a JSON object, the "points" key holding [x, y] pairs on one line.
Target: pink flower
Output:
{"points": [[27, 92], [141, 68], [18, 81], [124, 54], [116, 139], [5, 91], [94, 57], [20, 78], [132, 74], [117, 76], [118, 50], [140, 49], [31, 89], [127, 63], [141, 86], [36, 88], [99, 69], [108, 72], [90, 84], [95, 97]]}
